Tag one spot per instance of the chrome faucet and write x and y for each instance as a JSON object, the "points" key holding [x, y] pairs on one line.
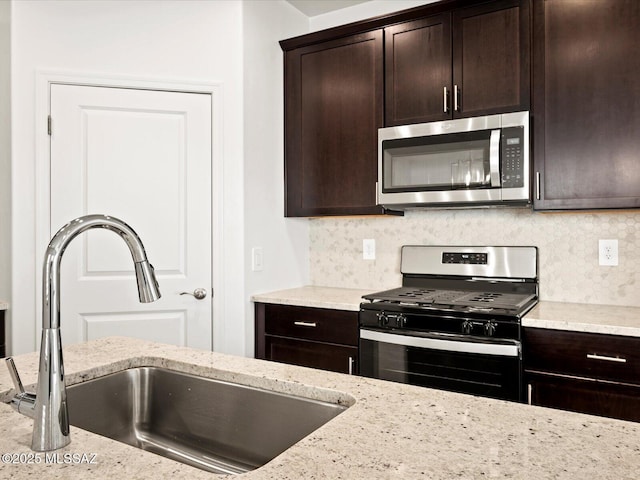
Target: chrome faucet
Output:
{"points": [[48, 407]]}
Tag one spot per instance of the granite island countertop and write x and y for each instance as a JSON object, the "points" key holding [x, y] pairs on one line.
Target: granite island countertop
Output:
{"points": [[390, 431], [581, 317]]}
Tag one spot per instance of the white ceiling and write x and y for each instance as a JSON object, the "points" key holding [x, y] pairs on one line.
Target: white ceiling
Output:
{"points": [[311, 8]]}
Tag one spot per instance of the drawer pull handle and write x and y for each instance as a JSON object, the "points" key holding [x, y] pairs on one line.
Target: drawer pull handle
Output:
{"points": [[594, 356], [305, 324]]}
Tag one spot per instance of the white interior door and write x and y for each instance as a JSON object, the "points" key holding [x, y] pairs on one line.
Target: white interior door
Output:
{"points": [[143, 156]]}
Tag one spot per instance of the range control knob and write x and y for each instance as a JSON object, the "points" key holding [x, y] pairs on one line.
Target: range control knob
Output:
{"points": [[383, 319], [467, 327], [401, 321], [490, 328]]}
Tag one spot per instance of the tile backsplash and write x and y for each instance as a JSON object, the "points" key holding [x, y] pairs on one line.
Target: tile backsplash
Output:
{"points": [[567, 248]]}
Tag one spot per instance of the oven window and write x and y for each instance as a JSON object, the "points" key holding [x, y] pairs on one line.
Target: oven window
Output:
{"points": [[478, 374], [440, 162]]}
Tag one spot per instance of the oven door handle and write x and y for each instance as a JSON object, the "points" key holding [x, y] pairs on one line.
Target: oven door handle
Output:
{"points": [[448, 344]]}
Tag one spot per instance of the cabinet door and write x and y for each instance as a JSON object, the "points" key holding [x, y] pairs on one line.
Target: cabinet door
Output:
{"points": [[491, 58], [333, 109], [586, 104], [325, 356], [585, 396], [418, 71]]}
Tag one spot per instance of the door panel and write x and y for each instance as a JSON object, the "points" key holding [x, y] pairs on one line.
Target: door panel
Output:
{"points": [[145, 157], [164, 327]]}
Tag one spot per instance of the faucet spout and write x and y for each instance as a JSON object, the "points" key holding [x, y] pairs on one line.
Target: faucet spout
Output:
{"points": [[147, 285], [50, 412]]}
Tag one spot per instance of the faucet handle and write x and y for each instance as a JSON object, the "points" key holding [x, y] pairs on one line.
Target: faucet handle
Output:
{"points": [[15, 376], [23, 402]]}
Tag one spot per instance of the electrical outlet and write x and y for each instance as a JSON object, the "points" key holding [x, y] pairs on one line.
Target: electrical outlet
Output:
{"points": [[368, 249], [257, 259], [608, 252]]}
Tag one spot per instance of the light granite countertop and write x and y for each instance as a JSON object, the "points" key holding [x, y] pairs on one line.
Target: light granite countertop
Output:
{"points": [[583, 317], [312, 296], [391, 430], [611, 319]]}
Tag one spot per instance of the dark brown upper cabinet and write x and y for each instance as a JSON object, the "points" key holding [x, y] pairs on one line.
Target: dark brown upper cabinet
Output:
{"points": [[333, 109], [586, 103], [335, 97], [418, 71], [460, 63]]}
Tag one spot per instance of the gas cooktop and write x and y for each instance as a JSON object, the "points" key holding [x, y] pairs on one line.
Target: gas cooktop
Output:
{"points": [[497, 280], [432, 297]]}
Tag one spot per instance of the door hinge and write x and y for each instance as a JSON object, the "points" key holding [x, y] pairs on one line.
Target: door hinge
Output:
{"points": [[49, 125]]}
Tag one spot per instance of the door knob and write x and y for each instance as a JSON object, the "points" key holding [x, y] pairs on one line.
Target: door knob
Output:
{"points": [[199, 293]]}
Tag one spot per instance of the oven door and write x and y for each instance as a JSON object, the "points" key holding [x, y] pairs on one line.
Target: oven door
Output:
{"points": [[474, 365]]}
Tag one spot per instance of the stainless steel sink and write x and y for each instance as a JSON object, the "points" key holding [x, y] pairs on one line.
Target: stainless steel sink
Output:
{"points": [[217, 426]]}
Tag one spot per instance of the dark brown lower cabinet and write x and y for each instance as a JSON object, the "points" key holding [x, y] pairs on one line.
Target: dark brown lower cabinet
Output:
{"points": [[583, 372], [320, 338], [585, 396]]}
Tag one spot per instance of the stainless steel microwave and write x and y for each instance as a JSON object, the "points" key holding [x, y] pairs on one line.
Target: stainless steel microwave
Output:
{"points": [[479, 161]]}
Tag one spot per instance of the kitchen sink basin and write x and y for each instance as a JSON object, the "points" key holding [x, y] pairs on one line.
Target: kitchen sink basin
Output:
{"points": [[214, 425]]}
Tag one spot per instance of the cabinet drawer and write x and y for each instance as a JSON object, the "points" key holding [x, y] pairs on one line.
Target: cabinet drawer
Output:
{"points": [[604, 357], [335, 358], [319, 324]]}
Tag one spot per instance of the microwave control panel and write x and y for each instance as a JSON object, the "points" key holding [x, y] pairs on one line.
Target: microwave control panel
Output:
{"points": [[512, 154]]}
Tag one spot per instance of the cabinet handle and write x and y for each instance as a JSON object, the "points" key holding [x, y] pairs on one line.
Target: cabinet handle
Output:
{"points": [[305, 324], [529, 394], [456, 103], [445, 102], [595, 356], [537, 185], [351, 364]]}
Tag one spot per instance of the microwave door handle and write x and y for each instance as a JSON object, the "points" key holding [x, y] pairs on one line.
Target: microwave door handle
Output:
{"points": [[494, 158]]}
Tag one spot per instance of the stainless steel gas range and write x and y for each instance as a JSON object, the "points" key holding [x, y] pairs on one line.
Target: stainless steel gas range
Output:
{"points": [[455, 322]]}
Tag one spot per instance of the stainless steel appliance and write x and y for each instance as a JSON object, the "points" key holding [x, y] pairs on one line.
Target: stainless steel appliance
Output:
{"points": [[467, 162], [454, 323]]}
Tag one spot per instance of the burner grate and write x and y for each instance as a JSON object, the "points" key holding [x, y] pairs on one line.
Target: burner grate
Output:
{"points": [[452, 298]]}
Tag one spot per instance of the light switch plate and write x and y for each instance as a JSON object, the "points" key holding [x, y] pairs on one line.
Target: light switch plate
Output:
{"points": [[368, 249], [257, 259]]}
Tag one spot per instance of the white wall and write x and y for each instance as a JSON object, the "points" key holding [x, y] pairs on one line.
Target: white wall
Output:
{"points": [[182, 41], [362, 11], [284, 241]]}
